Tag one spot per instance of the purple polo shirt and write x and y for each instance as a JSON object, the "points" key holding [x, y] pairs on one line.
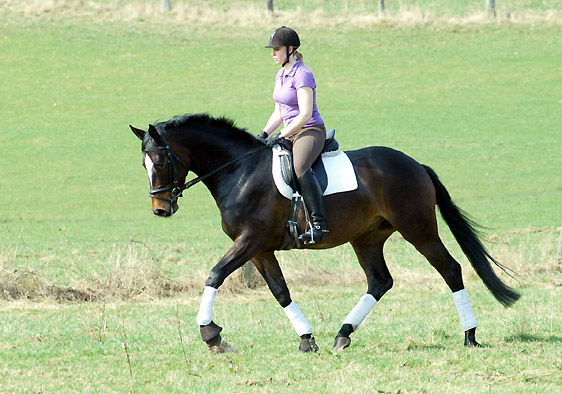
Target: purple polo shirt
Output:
{"points": [[285, 93]]}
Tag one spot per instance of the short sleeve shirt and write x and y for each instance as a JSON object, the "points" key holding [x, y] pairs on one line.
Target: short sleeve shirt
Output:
{"points": [[285, 93]]}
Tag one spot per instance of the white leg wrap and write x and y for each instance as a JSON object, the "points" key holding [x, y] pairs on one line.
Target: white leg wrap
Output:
{"points": [[297, 319], [360, 311], [205, 314], [468, 320]]}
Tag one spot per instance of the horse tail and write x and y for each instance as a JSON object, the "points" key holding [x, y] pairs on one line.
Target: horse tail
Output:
{"points": [[466, 232]]}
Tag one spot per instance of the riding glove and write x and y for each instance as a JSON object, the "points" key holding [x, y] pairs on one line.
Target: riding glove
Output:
{"points": [[262, 137], [273, 140]]}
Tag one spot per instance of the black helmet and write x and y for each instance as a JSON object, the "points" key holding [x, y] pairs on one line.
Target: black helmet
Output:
{"points": [[284, 37]]}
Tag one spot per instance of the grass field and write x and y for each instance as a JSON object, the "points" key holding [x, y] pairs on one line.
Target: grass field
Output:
{"points": [[479, 102]]}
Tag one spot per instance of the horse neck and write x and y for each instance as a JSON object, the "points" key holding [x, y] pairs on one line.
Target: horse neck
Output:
{"points": [[211, 149]]}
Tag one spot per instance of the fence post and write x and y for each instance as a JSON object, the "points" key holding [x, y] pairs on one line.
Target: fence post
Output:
{"points": [[491, 8], [381, 7], [269, 7], [165, 5]]}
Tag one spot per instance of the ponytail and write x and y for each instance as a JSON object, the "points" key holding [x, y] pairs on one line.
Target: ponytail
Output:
{"points": [[299, 56]]}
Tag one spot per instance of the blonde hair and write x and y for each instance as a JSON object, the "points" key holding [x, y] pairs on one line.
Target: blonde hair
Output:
{"points": [[299, 56]]}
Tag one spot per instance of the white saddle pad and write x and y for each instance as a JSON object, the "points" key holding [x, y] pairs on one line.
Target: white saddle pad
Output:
{"points": [[341, 175]]}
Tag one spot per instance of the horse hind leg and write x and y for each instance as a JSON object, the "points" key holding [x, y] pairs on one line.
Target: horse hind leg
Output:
{"points": [[439, 257], [379, 281]]}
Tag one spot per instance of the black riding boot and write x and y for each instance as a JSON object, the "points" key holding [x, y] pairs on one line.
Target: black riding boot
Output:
{"points": [[314, 201]]}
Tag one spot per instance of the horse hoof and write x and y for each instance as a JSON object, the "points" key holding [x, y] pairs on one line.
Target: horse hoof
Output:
{"points": [[216, 345], [308, 345], [341, 343], [471, 343], [470, 338]]}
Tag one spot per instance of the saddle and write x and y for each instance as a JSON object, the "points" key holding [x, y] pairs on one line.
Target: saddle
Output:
{"points": [[290, 178], [287, 169]]}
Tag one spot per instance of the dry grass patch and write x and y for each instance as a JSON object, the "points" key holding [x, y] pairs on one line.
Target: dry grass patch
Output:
{"points": [[531, 254], [134, 276], [138, 274], [237, 13]]}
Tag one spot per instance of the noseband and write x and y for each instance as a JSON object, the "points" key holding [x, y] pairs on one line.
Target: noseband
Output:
{"points": [[175, 188]]}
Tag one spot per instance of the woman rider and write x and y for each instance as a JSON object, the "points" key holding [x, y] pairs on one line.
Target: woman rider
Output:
{"points": [[295, 106]]}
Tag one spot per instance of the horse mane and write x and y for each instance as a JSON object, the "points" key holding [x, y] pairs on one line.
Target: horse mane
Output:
{"points": [[218, 125]]}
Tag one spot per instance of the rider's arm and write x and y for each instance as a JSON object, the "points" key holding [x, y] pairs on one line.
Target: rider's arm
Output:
{"points": [[305, 97]]}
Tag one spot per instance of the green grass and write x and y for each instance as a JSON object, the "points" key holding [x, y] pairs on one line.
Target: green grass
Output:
{"points": [[81, 347], [478, 103]]}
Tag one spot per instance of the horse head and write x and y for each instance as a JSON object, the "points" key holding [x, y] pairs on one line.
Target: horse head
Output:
{"points": [[198, 143], [166, 171]]}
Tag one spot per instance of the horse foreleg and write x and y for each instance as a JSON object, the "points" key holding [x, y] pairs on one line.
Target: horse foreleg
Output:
{"points": [[379, 282], [210, 332], [353, 320], [237, 256], [268, 267]]}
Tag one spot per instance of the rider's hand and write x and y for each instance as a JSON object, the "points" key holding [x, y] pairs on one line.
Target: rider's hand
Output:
{"points": [[262, 137], [273, 140]]}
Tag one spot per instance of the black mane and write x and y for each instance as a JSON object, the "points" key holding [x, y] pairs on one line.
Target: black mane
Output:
{"points": [[219, 125]]}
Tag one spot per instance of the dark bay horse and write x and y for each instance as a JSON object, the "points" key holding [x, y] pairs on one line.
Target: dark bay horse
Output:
{"points": [[395, 193]]}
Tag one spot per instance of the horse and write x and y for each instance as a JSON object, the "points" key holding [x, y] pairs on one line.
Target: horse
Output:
{"points": [[394, 193]]}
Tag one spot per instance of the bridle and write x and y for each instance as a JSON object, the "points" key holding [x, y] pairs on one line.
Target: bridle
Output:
{"points": [[175, 188]]}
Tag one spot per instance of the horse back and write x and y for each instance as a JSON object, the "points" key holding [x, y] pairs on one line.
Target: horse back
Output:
{"points": [[385, 161], [390, 179]]}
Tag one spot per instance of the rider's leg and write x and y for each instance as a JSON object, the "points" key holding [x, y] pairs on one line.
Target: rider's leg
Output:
{"points": [[306, 148]]}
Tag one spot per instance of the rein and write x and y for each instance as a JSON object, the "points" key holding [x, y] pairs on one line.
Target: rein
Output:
{"points": [[200, 178], [177, 190]]}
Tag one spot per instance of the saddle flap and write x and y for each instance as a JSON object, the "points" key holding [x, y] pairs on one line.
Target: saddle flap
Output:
{"points": [[338, 168], [288, 171]]}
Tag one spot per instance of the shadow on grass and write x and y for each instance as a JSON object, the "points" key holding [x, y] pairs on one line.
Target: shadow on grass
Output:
{"points": [[523, 337], [424, 346]]}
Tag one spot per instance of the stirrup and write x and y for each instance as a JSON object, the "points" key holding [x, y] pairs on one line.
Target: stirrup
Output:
{"points": [[316, 233]]}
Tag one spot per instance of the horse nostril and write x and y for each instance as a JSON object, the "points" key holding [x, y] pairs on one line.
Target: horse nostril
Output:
{"points": [[161, 212]]}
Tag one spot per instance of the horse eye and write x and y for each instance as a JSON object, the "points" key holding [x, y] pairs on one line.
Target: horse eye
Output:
{"points": [[159, 163]]}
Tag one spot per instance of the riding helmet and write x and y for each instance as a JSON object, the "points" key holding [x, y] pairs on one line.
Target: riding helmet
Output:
{"points": [[284, 36]]}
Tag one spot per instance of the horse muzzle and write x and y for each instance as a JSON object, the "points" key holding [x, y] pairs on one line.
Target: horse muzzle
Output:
{"points": [[164, 208]]}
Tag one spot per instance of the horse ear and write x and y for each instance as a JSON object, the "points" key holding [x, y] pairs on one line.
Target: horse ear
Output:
{"points": [[138, 132], [155, 135]]}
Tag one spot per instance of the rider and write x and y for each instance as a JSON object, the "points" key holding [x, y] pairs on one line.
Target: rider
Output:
{"points": [[295, 106]]}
